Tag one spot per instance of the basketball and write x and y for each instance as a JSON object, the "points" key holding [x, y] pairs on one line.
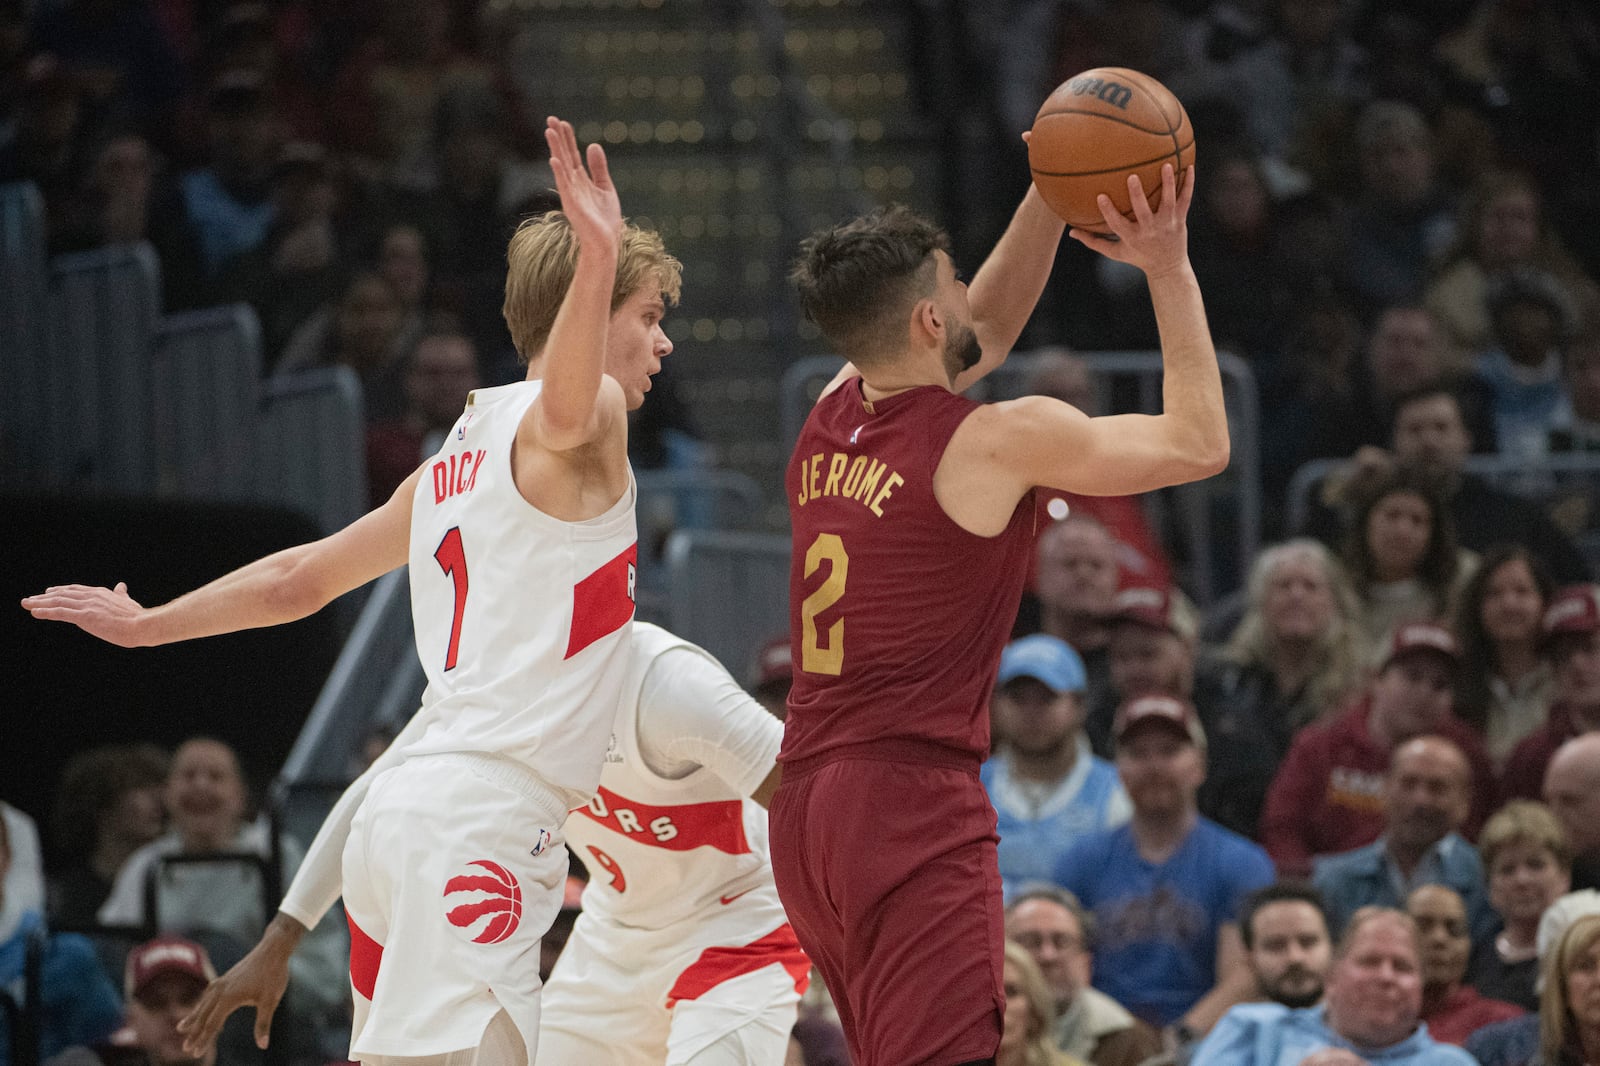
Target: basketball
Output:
{"points": [[1096, 129]]}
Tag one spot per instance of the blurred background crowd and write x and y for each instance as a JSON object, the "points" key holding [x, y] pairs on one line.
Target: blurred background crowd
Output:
{"points": [[1385, 680]]}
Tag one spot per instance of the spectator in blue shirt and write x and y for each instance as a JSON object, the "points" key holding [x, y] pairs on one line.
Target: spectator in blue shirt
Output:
{"points": [[73, 1000], [1165, 889], [1374, 1001], [1426, 799], [1048, 789]]}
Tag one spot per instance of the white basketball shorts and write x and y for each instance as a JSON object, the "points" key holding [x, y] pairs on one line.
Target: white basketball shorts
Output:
{"points": [[634, 997], [452, 873]]}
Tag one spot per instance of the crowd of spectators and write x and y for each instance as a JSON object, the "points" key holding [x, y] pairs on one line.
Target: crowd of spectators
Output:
{"points": [[1349, 802]]}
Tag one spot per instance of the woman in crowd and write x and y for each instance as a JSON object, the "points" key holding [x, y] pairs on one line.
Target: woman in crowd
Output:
{"points": [[1528, 862], [220, 902], [1569, 1006], [1503, 225], [1027, 1039], [1298, 647], [1401, 554], [1504, 686], [107, 807]]}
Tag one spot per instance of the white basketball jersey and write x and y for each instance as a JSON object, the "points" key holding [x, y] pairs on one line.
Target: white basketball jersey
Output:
{"points": [[660, 851], [522, 621]]}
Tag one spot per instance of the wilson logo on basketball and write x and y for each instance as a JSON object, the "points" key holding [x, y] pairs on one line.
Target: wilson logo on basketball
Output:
{"points": [[495, 896]]}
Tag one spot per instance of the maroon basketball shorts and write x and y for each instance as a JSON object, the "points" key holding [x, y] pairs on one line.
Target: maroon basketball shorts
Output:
{"points": [[889, 875]]}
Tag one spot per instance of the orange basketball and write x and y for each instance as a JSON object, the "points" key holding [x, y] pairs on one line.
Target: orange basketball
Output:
{"points": [[1098, 128]]}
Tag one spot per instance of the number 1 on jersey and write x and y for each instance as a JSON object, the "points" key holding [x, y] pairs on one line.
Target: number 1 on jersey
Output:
{"points": [[814, 658], [452, 559]]}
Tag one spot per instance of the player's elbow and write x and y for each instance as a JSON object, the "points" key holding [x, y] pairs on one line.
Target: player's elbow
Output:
{"points": [[300, 588], [1213, 459]]}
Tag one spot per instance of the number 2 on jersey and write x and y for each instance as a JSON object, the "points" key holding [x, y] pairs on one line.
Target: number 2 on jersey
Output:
{"points": [[452, 559], [814, 658]]}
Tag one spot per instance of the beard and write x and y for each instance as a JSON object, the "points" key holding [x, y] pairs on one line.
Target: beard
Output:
{"points": [[1294, 991], [961, 351]]}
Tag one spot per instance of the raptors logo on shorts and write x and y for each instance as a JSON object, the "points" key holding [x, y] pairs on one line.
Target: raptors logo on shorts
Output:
{"points": [[495, 896]]}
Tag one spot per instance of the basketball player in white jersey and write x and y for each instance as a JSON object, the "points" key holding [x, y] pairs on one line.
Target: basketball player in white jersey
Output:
{"points": [[682, 955], [520, 538]]}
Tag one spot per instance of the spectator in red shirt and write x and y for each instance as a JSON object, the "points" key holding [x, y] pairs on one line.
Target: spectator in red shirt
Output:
{"points": [[1328, 795], [1571, 628], [1453, 1010]]}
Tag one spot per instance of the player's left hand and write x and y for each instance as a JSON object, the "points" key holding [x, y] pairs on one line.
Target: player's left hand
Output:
{"points": [[257, 980], [1157, 242], [110, 614], [588, 197]]}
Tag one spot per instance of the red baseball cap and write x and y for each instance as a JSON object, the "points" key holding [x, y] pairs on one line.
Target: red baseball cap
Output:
{"points": [[164, 955], [1415, 637], [1575, 609], [1165, 609], [774, 664], [1150, 712]]}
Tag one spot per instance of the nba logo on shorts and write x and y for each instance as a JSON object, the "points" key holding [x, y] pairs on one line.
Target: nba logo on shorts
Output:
{"points": [[494, 896], [543, 842]]}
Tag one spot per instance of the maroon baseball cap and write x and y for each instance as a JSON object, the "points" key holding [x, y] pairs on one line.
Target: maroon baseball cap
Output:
{"points": [[164, 955], [774, 664], [1164, 712], [1165, 609], [1575, 609], [1416, 637]]}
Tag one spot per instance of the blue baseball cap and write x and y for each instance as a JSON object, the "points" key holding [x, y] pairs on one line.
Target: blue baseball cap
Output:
{"points": [[1044, 658]]}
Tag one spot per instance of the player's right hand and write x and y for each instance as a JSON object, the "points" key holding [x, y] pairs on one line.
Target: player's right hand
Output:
{"points": [[1157, 242], [588, 197], [256, 980], [110, 614]]}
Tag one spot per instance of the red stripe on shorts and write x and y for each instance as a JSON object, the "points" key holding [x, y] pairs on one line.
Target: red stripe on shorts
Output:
{"points": [[602, 603], [719, 964], [366, 954]]}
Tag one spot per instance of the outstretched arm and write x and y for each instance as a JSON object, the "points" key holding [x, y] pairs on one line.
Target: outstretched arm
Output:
{"points": [[282, 587], [572, 408], [1194, 419], [1007, 287], [1047, 442]]}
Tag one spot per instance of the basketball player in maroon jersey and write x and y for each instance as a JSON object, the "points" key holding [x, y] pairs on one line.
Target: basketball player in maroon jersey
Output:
{"points": [[913, 515]]}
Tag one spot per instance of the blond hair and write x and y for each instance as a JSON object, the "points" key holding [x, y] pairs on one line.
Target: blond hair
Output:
{"points": [[1558, 1030], [1524, 822], [1040, 1048], [543, 256], [1338, 648]]}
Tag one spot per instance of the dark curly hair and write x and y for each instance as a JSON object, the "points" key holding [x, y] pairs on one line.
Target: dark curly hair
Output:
{"points": [[1437, 570], [92, 784]]}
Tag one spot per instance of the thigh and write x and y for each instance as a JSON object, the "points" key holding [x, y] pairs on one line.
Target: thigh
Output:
{"points": [[798, 840], [454, 903], [920, 899]]}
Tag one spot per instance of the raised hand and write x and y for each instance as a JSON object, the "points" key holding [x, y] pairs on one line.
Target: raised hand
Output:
{"points": [[588, 198], [1154, 241], [110, 614]]}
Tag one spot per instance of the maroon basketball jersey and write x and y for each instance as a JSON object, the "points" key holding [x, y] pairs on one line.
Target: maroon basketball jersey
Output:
{"points": [[897, 616]]}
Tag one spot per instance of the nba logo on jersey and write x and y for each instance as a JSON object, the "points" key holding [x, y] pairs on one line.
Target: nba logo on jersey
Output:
{"points": [[855, 434], [613, 750], [486, 905], [461, 431]]}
